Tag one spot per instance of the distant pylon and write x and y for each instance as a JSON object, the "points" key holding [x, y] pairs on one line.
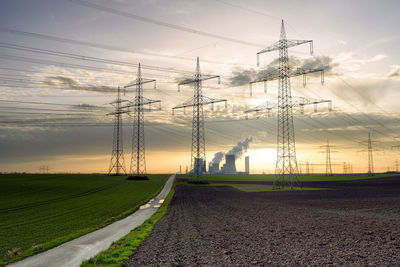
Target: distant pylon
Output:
{"points": [[286, 170], [138, 156], [198, 154], [328, 163], [117, 162], [370, 157], [307, 168]]}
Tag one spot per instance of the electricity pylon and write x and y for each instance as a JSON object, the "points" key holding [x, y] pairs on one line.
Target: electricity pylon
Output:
{"points": [[345, 167], [369, 143], [138, 156], [370, 157], [198, 154], [328, 162], [286, 170], [117, 162]]}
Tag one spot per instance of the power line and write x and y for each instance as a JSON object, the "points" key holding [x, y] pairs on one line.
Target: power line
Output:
{"points": [[44, 103], [86, 58], [249, 10], [161, 23], [103, 46]]}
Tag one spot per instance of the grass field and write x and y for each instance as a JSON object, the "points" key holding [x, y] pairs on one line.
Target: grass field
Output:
{"points": [[270, 177], [38, 212]]}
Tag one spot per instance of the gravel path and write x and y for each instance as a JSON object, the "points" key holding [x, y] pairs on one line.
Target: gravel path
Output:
{"points": [[357, 224]]}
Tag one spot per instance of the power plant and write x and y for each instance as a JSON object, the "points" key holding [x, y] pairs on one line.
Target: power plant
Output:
{"points": [[229, 167]]}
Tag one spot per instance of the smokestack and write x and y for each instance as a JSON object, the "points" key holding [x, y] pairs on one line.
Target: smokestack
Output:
{"points": [[247, 165]]}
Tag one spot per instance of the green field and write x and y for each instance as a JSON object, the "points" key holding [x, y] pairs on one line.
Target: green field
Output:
{"points": [[270, 177], [41, 211]]}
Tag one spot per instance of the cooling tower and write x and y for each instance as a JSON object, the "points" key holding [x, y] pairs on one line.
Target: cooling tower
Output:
{"points": [[199, 164], [215, 167], [229, 166]]}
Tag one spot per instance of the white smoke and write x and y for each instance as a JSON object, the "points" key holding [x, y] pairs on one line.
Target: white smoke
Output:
{"points": [[240, 148], [218, 157]]}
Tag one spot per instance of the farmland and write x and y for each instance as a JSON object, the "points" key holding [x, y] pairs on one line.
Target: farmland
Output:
{"points": [[270, 177], [356, 223], [41, 211]]}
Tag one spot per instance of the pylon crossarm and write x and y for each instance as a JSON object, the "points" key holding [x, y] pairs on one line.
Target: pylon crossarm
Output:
{"points": [[269, 76], [274, 75], [296, 102], [270, 48], [302, 101], [188, 103], [287, 43], [202, 78], [204, 100], [119, 101], [117, 112], [141, 81], [292, 43], [143, 103], [301, 71], [267, 106]]}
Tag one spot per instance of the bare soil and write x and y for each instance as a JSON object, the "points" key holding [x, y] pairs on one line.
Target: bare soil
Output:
{"points": [[355, 223]]}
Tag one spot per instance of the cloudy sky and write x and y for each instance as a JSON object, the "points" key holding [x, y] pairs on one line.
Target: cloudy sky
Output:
{"points": [[61, 60]]}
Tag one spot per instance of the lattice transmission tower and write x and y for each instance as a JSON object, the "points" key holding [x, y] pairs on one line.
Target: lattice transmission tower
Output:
{"points": [[137, 107], [370, 156], [198, 150], [117, 162], [369, 143], [328, 162], [286, 170]]}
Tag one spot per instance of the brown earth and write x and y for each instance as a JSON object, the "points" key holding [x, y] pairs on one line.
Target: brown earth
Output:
{"points": [[356, 223]]}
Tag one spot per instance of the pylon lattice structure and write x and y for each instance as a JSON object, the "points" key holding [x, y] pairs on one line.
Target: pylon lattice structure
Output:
{"points": [[370, 157], [138, 156], [286, 170], [370, 150], [198, 149], [328, 162], [117, 162]]}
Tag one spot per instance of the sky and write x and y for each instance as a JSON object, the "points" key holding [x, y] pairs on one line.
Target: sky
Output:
{"points": [[62, 60]]}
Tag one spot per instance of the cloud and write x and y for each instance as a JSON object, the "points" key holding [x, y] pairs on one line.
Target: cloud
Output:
{"points": [[244, 76], [394, 72], [87, 106], [350, 61], [62, 82]]}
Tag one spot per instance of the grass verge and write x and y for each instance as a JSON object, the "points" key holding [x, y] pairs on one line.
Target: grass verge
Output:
{"points": [[120, 251]]}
